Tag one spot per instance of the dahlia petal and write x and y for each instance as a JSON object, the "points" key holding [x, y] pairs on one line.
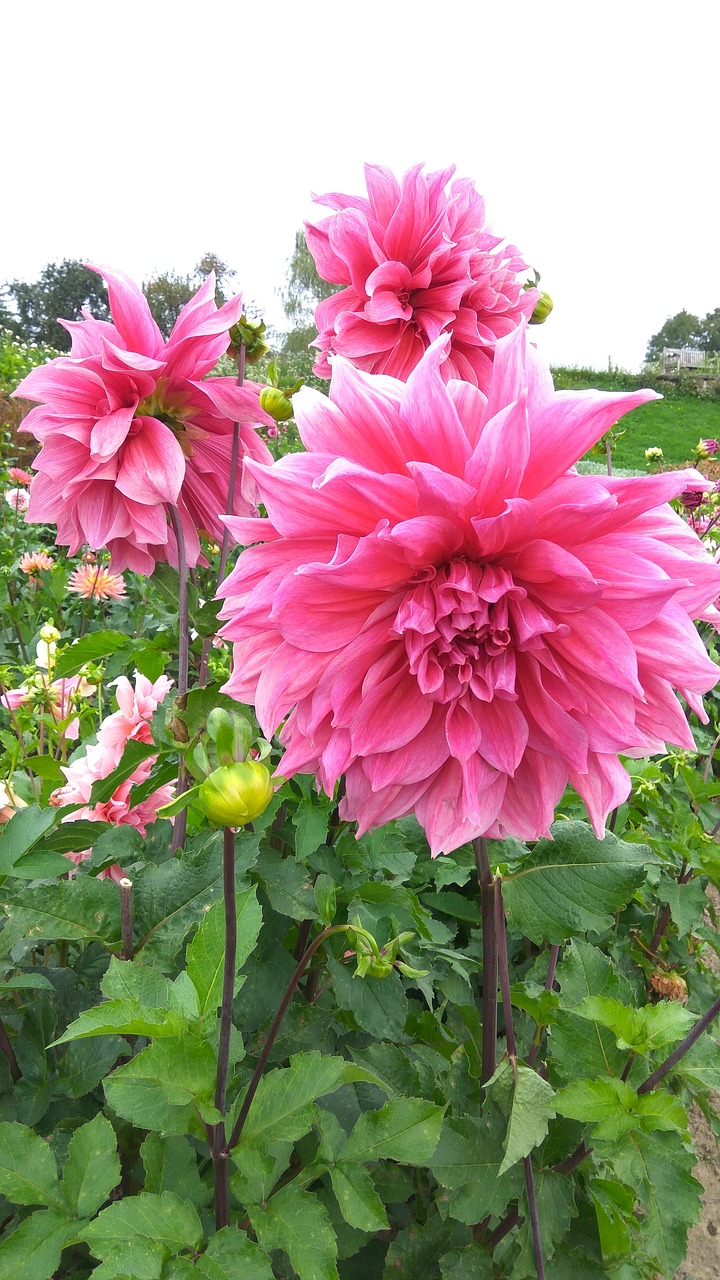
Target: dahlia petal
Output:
{"points": [[130, 311], [428, 411], [153, 466], [110, 432], [565, 428]]}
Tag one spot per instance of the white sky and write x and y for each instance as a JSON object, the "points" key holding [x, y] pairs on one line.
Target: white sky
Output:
{"points": [[142, 134]]}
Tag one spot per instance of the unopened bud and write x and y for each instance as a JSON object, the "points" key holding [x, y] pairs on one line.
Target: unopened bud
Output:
{"points": [[236, 793], [543, 307], [231, 733], [275, 402], [49, 633]]}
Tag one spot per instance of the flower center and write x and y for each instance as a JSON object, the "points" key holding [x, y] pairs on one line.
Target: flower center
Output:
{"points": [[158, 407], [457, 625]]}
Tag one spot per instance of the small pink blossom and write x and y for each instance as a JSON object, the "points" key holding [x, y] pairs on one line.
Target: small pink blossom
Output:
{"points": [[131, 426], [33, 562], [417, 261], [441, 610], [17, 499], [96, 582], [19, 476], [58, 698]]}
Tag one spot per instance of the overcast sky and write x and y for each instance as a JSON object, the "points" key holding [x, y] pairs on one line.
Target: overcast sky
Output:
{"points": [[142, 134]]}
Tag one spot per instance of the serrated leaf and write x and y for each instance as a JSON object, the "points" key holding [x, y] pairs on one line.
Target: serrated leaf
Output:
{"points": [[231, 1254], [165, 1085], [24, 829], [607, 1104], [296, 1222], [92, 1169], [687, 902], [701, 1063], [467, 1161], [658, 1168], [614, 1210], [414, 1252], [33, 1251], [163, 1219], [530, 1110], [141, 983], [470, 1263], [406, 1130], [133, 755], [358, 1201], [75, 910], [28, 1173], [379, 1005], [86, 1062], [310, 821], [283, 1107], [643, 1030], [206, 952], [123, 1017], [288, 886], [138, 1259], [579, 1047], [171, 1164], [99, 644], [573, 883], [68, 837]]}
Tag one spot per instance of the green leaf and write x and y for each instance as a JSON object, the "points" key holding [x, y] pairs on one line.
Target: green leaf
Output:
{"points": [[100, 644], [687, 902], [467, 1161], [92, 1168], [141, 983], [123, 1017], [28, 1173], [470, 1263], [310, 821], [165, 1086], [406, 1130], [531, 1107], [296, 1222], [579, 1047], [139, 1259], [69, 837], [357, 1198], [74, 910], [658, 1167], [171, 1164], [605, 1103], [288, 886], [23, 830], [230, 1255], [573, 883], [414, 1253], [284, 1106], [133, 755], [614, 1210], [172, 898], [701, 1063], [642, 1030], [33, 1251], [206, 952], [86, 1062], [162, 1219], [379, 1005]]}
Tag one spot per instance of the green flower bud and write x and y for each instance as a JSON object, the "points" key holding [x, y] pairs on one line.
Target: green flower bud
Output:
{"points": [[275, 402], [326, 898], [543, 308], [236, 793], [250, 336], [231, 733]]}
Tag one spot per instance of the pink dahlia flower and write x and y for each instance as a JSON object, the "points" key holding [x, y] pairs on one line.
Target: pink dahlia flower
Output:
{"points": [[17, 499], [130, 426], [19, 475], [33, 562], [96, 582], [57, 698], [443, 611], [417, 261]]}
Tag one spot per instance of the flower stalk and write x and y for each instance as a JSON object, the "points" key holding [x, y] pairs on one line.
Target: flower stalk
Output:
{"points": [[180, 825], [218, 1152], [486, 882]]}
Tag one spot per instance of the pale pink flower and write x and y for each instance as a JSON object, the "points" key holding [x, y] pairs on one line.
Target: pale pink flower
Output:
{"points": [[443, 611], [417, 261], [131, 721], [96, 582], [17, 499], [58, 698], [19, 476], [33, 562], [130, 426]]}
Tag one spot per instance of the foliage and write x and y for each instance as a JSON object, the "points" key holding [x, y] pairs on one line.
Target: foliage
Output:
{"points": [[17, 358], [62, 290], [304, 289], [168, 292], [686, 330]]}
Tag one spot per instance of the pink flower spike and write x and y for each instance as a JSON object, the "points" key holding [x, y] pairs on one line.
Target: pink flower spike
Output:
{"points": [[417, 261], [441, 610], [129, 426]]}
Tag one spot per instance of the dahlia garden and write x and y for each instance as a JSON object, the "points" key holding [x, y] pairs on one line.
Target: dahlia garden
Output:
{"points": [[358, 799]]}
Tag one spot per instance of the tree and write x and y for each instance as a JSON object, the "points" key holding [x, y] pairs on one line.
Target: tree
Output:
{"points": [[167, 293], [681, 330], [63, 289], [303, 291]]}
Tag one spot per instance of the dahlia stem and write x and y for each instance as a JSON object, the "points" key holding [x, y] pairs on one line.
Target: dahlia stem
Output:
{"points": [[490, 958], [272, 1033], [9, 1052], [180, 823], [225, 548], [126, 916], [220, 1162], [671, 1061], [504, 972], [552, 966]]}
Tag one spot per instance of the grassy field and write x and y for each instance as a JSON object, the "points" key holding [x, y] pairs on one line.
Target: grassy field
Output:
{"points": [[675, 423]]}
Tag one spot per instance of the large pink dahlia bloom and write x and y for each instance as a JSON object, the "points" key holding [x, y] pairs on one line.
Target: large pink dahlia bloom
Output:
{"points": [[130, 425], [417, 261], [443, 611]]}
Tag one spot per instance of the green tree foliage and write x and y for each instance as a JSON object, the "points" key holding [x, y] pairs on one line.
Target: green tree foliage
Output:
{"points": [[303, 291], [686, 330], [168, 292], [62, 290]]}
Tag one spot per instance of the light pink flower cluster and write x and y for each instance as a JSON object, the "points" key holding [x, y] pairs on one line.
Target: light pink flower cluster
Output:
{"points": [[443, 611], [130, 723], [130, 426], [417, 261], [17, 499]]}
